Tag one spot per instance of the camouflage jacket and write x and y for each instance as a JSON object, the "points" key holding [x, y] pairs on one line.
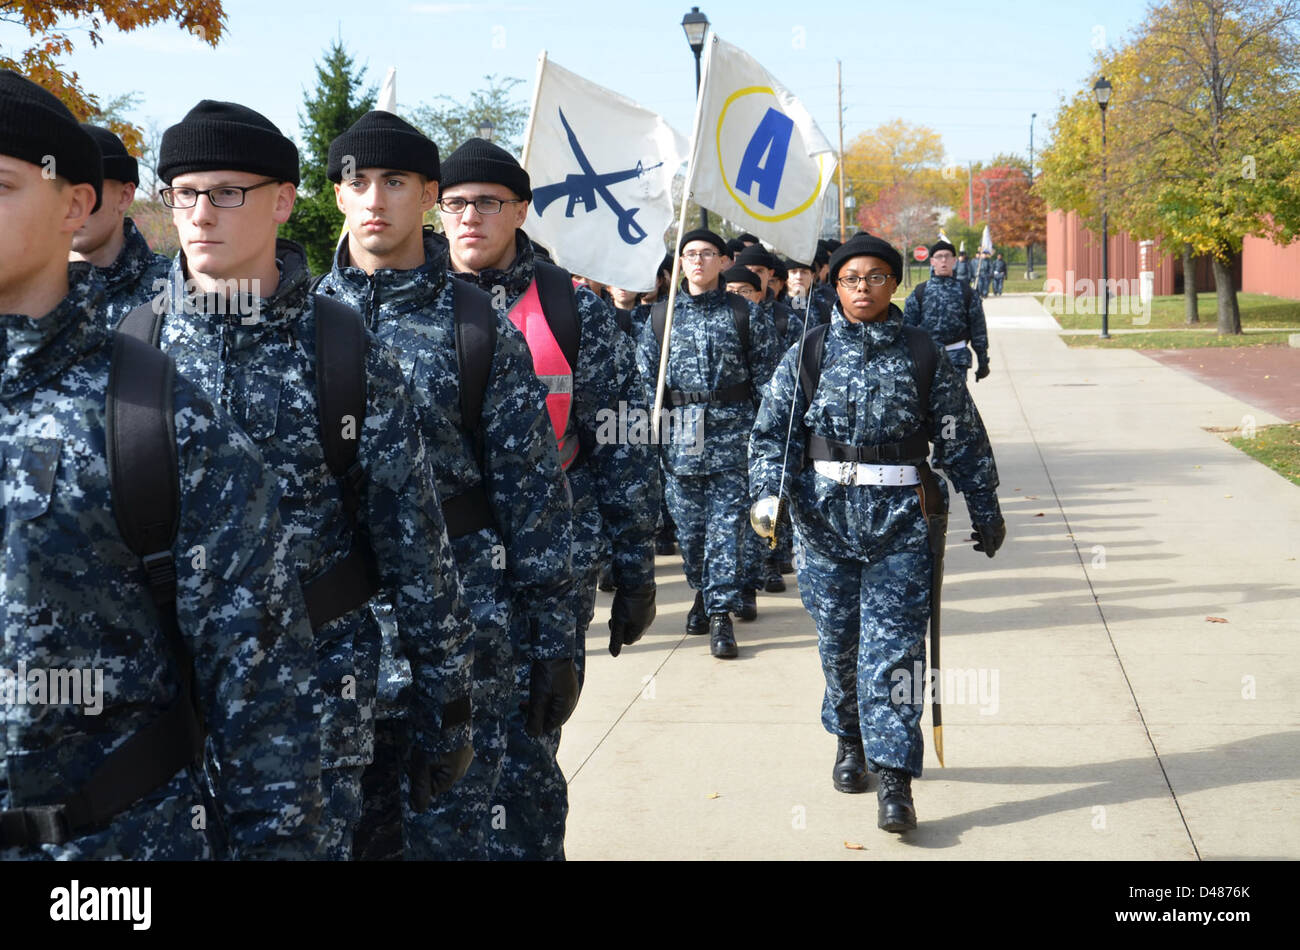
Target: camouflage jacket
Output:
{"points": [[412, 312], [867, 396], [616, 483], [137, 276], [74, 600], [705, 354], [260, 364], [947, 319]]}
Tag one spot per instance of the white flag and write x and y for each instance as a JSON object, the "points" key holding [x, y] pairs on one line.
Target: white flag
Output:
{"points": [[986, 242], [387, 101], [759, 159], [601, 169]]}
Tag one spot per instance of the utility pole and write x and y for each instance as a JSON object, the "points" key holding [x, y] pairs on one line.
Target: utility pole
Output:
{"points": [[970, 193], [1029, 264], [839, 101]]}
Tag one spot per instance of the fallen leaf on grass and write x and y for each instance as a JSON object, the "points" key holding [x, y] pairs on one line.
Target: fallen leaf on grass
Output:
{"points": [[854, 847], [1216, 619]]}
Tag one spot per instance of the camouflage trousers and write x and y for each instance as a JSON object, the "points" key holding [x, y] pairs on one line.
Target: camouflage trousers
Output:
{"points": [[871, 622], [340, 790], [531, 803], [711, 511]]}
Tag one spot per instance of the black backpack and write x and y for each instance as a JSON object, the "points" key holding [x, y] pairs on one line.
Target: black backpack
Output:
{"points": [[922, 349], [340, 392], [739, 313]]}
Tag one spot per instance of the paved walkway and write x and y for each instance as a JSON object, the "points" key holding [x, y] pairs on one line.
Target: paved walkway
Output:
{"points": [[1116, 720]]}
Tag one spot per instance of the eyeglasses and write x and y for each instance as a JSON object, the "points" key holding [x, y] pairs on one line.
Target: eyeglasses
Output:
{"points": [[481, 205], [851, 281], [699, 255], [223, 196]]}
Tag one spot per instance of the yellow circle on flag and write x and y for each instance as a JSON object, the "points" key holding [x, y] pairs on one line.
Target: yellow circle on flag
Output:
{"points": [[726, 176]]}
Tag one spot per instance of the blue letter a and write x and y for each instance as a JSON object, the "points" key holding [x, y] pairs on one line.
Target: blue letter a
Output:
{"points": [[771, 140]]}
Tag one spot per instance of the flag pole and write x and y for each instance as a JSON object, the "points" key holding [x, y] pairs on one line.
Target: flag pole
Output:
{"points": [[532, 112], [677, 256]]}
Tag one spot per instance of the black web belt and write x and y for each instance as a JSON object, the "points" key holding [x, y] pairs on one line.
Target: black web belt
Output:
{"points": [[737, 393]]}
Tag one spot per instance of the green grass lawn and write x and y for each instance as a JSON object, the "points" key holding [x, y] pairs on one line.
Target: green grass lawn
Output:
{"points": [[1176, 340], [1257, 310], [1278, 447]]}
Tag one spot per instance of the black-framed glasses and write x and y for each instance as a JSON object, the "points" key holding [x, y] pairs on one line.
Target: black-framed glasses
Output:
{"points": [[222, 196], [699, 255], [851, 281], [483, 205]]}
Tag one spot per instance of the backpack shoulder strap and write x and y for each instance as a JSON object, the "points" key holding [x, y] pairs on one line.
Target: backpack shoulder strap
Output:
{"points": [[810, 360], [658, 320], [476, 341], [925, 357], [560, 307], [740, 314], [340, 385], [966, 295], [144, 323], [919, 293]]}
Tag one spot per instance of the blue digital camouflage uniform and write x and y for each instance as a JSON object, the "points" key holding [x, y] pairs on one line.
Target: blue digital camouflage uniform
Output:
{"points": [[948, 321], [865, 568], [73, 597], [615, 500], [821, 300], [137, 276], [703, 446], [262, 368], [519, 568]]}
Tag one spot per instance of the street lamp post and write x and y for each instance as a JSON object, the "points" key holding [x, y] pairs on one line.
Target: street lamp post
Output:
{"points": [[485, 129], [1102, 91], [1029, 264], [695, 25]]}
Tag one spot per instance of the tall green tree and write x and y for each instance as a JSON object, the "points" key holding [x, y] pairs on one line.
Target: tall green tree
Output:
{"points": [[338, 100]]}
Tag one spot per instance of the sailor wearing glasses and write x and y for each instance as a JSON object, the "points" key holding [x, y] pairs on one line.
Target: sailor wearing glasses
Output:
{"points": [[721, 352], [869, 513], [589, 371]]}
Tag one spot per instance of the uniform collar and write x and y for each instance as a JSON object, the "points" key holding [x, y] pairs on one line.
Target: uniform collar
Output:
{"points": [[37, 350], [399, 286], [515, 278], [871, 336], [132, 261], [286, 303]]}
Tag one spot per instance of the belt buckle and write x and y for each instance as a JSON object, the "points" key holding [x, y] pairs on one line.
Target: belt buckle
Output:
{"points": [[847, 473]]}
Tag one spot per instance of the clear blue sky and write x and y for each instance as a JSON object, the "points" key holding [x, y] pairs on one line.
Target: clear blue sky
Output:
{"points": [[972, 71]]}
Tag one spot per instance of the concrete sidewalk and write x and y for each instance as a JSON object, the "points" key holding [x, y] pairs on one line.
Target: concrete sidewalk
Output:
{"points": [[1115, 721]]}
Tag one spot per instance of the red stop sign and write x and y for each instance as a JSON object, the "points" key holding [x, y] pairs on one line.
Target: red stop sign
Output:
{"points": [[921, 252]]}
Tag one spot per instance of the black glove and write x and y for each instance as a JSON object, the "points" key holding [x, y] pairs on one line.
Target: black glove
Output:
{"points": [[989, 537], [431, 777], [631, 614], [552, 695], [980, 373]]}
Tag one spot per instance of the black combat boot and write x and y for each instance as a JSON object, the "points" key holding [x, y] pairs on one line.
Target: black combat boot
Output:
{"points": [[772, 582], [722, 642], [850, 772], [697, 621], [896, 812], [606, 581], [748, 603], [787, 567]]}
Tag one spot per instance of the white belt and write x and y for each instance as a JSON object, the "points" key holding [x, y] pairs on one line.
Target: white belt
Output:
{"points": [[859, 473], [956, 346]]}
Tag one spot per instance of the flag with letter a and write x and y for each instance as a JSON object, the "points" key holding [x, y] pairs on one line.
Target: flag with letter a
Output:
{"points": [[758, 160]]}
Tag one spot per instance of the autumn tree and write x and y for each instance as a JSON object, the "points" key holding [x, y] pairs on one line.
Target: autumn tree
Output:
{"points": [[1014, 215], [338, 101], [1202, 139], [903, 215], [50, 24]]}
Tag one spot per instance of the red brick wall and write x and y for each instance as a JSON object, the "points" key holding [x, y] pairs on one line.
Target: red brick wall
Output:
{"points": [[1269, 268], [1072, 248]]}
